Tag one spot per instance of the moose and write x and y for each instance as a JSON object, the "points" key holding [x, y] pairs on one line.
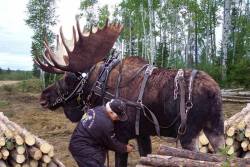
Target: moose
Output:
{"points": [[86, 52]]}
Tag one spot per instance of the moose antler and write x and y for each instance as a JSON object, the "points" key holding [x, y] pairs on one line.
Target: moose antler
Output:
{"points": [[48, 66], [78, 55]]}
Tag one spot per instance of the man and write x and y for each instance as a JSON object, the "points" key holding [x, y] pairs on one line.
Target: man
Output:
{"points": [[94, 135]]}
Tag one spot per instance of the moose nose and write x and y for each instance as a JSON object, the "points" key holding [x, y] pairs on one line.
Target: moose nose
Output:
{"points": [[44, 103]]}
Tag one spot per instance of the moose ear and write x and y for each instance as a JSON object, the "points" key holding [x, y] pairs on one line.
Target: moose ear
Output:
{"points": [[80, 54], [70, 78]]}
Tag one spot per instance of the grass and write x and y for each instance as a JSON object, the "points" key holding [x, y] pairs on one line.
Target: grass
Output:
{"points": [[15, 75], [4, 103], [31, 85], [25, 86]]}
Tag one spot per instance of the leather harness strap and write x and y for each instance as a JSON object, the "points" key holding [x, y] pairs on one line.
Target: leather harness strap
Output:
{"points": [[99, 89], [103, 77], [185, 106], [147, 73]]}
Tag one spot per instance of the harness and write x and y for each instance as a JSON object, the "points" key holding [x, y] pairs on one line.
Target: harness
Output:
{"points": [[185, 106], [99, 90], [78, 90]]}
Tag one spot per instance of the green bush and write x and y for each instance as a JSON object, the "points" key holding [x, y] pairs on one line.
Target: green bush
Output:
{"points": [[238, 74]]}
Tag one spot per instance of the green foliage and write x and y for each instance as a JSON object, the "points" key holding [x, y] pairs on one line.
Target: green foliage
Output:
{"points": [[239, 73], [103, 15], [184, 32], [223, 151], [15, 75], [41, 17], [4, 103], [31, 85]]}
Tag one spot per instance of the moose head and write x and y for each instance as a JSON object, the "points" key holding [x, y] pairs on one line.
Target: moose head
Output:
{"points": [[74, 57]]}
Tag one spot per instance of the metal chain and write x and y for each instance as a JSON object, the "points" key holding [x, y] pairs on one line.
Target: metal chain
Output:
{"points": [[179, 74]]}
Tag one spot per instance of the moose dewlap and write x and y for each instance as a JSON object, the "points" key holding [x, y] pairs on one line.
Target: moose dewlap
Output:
{"points": [[18, 147]]}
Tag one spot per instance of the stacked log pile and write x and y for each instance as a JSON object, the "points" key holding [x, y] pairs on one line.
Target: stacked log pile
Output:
{"points": [[175, 157], [237, 135], [236, 95], [20, 148]]}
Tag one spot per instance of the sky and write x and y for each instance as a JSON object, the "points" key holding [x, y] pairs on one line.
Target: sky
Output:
{"points": [[15, 36]]}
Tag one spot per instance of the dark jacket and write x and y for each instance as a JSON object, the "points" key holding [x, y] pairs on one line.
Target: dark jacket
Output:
{"points": [[94, 135]]}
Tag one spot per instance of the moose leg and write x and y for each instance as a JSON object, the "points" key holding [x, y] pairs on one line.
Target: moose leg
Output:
{"points": [[144, 145], [214, 130], [189, 139], [121, 159]]}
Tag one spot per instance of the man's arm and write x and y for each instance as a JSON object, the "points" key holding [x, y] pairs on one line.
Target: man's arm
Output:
{"points": [[112, 143]]}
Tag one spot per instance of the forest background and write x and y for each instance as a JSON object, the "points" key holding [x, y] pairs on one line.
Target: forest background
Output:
{"points": [[168, 33]]}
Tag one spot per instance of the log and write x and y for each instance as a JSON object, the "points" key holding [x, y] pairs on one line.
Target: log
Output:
{"points": [[230, 151], [46, 159], [5, 153], [203, 139], [44, 165], [236, 100], [7, 133], [19, 140], [26, 164], [59, 163], [51, 153], [241, 125], [159, 160], [238, 115], [244, 145], [44, 146], [28, 137], [187, 154], [182, 153], [3, 163], [13, 163], [231, 90], [247, 132], [204, 149], [230, 132], [33, 163], [35, 153], [229, 141], [241, 93], [20, 149], [2, 141], [19, 158], [52, 164], [237, 97]]}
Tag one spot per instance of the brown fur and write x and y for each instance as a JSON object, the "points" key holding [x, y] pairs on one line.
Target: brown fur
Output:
{"points": [[206, 113]]}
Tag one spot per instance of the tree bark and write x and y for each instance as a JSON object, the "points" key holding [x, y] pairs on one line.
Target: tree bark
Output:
{"points": [[169, 161], [225, 37]]}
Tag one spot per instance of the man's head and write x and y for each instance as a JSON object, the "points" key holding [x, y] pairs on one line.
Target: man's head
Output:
{"points": [[116, 110]]}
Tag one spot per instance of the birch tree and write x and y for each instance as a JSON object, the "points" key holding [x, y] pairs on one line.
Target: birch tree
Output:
{"points": [[225, 37], [41, 17]]}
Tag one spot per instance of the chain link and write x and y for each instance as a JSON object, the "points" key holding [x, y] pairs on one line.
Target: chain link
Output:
{"points": [[179, 74]]}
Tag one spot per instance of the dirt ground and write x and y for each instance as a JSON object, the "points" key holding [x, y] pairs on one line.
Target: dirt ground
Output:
{"points": [[24, 109]]}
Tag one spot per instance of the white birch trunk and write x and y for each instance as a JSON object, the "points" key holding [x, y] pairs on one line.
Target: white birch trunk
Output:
{"points": [[130, 37], [151, 30], [225, 36]]}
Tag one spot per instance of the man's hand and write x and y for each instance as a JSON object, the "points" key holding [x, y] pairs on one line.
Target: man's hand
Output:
{"points": [[130, 148]]}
